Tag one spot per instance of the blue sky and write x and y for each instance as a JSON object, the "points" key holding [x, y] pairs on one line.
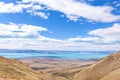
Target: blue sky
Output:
{"points": [[82, 25]]}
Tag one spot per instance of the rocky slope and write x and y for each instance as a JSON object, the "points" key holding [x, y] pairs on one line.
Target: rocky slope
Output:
{"points": [[107, 68], [16, 70]]}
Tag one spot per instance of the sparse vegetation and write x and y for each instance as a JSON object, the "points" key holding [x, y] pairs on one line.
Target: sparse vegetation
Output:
{"points": [[106, 69]]}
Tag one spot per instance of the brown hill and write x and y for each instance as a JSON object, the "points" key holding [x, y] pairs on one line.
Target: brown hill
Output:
{"points": [[11, 69], [113, 75], [106, 69]]}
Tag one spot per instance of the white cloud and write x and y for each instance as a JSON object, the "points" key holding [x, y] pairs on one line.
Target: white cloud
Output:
{"points": [[38, 10], [37, 44], [36, 13], [20, 7], [87, 46], [111, 34], [98, 39], [24, 36], [9, 8], [101, 35], [80, 39], [116, 3], [12, 30], [75, 10]]}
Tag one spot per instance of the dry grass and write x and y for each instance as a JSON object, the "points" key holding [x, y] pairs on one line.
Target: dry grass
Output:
{"points": [[106, 69], [115, 75], [60, 68], [101, 69], [16, 70]]}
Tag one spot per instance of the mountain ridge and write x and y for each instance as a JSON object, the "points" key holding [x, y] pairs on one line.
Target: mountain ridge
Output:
{"points": [[100, 69], [107, 68], [11, 69]]}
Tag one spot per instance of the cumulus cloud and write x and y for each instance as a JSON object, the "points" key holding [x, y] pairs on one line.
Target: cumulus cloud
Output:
{"points": [[111, 34], [74, 10], [101, 35], [20, 7], [9, 8], [87, 46], [24, 36], [12, 30], [38, 10], [98, 39]]}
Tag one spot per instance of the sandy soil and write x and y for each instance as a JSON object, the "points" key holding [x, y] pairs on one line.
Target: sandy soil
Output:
{"points": [[58, 67], [47, 64]]}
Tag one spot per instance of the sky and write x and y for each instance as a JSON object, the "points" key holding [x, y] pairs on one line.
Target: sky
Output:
{"points": [[71, 25]]}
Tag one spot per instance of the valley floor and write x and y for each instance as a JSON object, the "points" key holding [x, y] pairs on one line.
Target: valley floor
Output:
{"points": [[58, 67]]}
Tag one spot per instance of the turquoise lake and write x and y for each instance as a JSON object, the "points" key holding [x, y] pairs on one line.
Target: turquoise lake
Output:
{"points": [[64, 55]]}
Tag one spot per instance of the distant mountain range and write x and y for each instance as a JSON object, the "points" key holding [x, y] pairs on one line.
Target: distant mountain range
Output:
{"points": [[39, 51]]}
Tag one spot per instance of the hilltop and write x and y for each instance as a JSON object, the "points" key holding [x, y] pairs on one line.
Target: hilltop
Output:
{"points": [[107, 68], [11, 69]]}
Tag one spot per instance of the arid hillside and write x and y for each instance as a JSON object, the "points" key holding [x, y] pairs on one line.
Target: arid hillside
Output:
{"points": [[16, 70], [107, 68]]}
